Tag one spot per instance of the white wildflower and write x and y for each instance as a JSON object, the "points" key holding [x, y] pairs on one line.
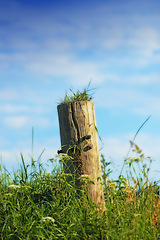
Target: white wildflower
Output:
{"points": [[14, 186], [84, 176], [44, 219]]}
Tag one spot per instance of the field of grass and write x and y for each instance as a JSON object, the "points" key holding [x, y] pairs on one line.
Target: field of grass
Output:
{"points": [[35, 204]]}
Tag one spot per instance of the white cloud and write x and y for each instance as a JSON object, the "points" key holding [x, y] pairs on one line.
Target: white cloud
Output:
{"points": [[3, 57], [13, 108], [101, 45], [143, 80], [149, 105], [41, 121], [146, 39], [16, 121], [23, 121], [116, 148], [129, 99], [58, 50], [136, 80], [112, 97], [67, 66], [8, 94]]}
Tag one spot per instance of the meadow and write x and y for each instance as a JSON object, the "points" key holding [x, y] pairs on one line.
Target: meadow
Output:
{"points": [[40, 205], [35, 204]]}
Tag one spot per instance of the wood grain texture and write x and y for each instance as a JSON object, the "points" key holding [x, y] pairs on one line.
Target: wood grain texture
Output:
{"points": [[77, 120]]}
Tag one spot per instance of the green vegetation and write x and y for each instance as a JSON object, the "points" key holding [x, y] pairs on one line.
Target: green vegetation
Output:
{"points": [[84, 95], [35, 204]]}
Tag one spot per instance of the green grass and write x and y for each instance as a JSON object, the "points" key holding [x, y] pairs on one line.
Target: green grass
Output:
{"points": [[39, 205], [84, 95]]}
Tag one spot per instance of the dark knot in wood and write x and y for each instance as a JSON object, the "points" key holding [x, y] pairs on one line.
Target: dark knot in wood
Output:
{"points": [[77, 145]]}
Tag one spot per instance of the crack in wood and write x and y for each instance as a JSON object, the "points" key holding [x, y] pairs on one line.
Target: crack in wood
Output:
{"points": [[75, 122]]}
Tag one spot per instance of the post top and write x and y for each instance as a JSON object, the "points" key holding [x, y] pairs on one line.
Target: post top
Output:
{"points": [[72, 102]]}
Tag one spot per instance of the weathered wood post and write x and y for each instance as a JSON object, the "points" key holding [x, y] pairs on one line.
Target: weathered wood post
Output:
{"points": [[79, 140]]}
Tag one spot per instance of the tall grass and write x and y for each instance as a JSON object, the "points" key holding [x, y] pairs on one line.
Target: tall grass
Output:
{"points": [[41, 205], [84, 95]]}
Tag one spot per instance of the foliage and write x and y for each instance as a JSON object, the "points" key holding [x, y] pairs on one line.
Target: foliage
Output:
{"points": [[78, 96], [41, 205], [105, 172]]}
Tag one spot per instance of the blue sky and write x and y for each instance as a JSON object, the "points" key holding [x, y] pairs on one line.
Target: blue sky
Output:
{"points": [[47, 47]]}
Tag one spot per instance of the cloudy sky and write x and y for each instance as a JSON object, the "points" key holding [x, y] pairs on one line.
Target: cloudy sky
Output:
{"points": [[48, 47]]}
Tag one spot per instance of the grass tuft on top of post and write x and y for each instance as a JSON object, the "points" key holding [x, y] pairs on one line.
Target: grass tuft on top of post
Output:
{"points": [[84, 95]]}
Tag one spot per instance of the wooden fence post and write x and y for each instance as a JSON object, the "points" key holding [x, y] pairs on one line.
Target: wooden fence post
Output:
{"points": [[79, 139]]}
